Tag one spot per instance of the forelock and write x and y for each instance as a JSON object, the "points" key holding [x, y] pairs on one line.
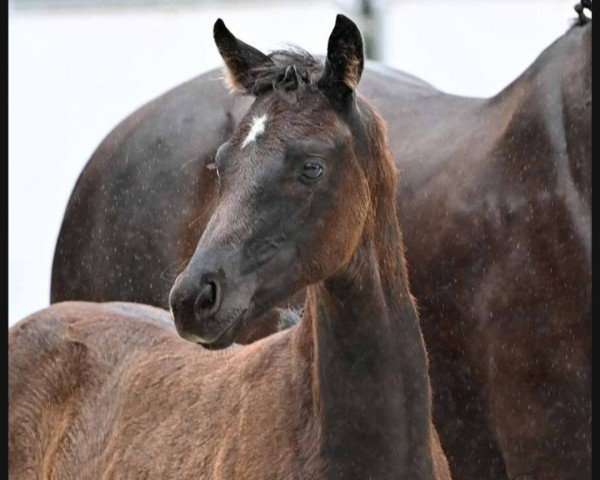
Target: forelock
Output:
{"points": [[273, 76]]}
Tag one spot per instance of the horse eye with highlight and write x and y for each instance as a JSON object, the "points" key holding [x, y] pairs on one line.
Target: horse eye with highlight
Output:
{"points": [[312, 171]]}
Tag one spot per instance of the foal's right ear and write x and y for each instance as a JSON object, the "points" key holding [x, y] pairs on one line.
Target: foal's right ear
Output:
{"points": [[240, 58]]}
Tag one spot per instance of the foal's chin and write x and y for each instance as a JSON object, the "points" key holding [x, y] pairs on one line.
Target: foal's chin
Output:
{"points": [[225, 340], [227, 337]]}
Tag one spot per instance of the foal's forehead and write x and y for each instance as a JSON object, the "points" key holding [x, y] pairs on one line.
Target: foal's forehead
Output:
{"points": [[274, 121]]}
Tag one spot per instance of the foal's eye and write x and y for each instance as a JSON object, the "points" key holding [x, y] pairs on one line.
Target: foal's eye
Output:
{"points": [[311, 171]]}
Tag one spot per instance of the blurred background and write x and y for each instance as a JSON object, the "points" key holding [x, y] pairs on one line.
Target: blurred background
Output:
{"points": [[78, 67]]}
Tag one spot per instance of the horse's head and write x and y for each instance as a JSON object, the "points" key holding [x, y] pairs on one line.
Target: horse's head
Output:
{"points": [[293, 196]]}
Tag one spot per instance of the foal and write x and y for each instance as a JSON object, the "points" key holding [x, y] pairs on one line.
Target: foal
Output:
{"points": [[307, 198]]}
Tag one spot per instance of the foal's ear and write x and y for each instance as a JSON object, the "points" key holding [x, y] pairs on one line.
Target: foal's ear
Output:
{"points": [[345, 61], [240, 58]]}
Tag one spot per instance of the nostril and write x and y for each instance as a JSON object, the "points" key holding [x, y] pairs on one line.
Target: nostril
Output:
{"points": [[208, 295], [175, 302]]}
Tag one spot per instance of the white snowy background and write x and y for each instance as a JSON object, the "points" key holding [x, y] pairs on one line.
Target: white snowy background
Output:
{"points": [[75, 73]]}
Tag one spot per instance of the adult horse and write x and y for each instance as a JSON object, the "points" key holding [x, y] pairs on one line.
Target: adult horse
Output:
{"points": [[495, 200], [120, 395]]}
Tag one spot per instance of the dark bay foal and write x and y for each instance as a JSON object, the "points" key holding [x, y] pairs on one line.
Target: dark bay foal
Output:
{"points": [[306, 199]]}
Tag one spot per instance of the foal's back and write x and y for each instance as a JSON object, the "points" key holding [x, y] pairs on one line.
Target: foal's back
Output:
{"points": [[111, 390]]}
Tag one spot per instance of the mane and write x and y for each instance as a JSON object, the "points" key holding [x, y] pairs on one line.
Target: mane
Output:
{"points": [[382, 175], [580, 8], [273, 75]]}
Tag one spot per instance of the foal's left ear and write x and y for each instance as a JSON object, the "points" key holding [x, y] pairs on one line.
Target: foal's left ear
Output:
{"points": [[240, 58], [345, 61]]}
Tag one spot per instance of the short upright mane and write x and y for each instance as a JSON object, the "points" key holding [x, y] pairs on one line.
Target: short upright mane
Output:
{"points": [[290, 68], [580, 8]]}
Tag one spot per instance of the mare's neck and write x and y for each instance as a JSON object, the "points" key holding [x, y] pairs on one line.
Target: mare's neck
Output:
{"points": [[371, 381], [544, 142], [548, 110]]}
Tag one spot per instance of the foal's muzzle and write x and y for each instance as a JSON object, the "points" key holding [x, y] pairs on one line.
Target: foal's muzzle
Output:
{"points": [[195, 306]]}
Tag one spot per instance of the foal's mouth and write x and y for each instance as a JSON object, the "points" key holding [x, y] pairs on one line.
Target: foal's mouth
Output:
{"points": [[228, 335], [260, 303]]}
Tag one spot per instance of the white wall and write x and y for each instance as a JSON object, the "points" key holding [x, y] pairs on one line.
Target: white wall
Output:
{"points": [[74, 74]]}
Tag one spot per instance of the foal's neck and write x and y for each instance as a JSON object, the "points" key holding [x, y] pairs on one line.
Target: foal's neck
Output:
{"points": [[372, 386]]}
